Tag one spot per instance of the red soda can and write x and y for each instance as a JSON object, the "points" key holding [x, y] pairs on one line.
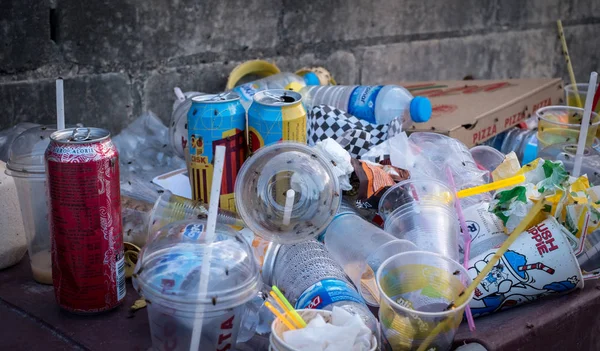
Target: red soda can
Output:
{"points": [[88, 271]]}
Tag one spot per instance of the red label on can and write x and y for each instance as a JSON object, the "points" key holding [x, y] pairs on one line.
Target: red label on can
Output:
{"points": [[87, 238]]}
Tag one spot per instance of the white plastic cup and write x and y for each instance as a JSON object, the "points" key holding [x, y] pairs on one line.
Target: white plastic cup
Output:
{"points": [[360, 247], [27, 166], [539, 263], [431, 227], [485, 228], [278, 327]]}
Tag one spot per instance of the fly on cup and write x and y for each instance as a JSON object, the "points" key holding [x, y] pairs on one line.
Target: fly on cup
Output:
{"points": [[417, 292]]}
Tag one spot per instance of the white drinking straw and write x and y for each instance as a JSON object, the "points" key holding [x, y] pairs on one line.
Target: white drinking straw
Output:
{"points": [[60, 105], [180, 95], [211, 226], [585, 123], [289, 206]]}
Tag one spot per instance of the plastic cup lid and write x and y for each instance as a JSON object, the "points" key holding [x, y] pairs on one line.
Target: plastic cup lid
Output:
{"points": [[169, 266], [265, 178], [26, 153]]}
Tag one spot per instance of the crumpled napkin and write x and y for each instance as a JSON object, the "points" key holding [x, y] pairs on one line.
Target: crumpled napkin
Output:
{"points": [[346, 332], [340, 161]]}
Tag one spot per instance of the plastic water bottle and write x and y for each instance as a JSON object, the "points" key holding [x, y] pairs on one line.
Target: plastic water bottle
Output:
{"points": [[377, 104], [310, 278], [278, 81]]}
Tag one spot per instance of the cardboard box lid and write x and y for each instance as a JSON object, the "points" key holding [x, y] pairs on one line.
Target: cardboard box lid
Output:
{"points": [[462, 107]]}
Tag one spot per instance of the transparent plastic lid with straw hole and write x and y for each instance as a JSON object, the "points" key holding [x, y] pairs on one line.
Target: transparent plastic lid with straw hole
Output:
{"points": [[26, 153], [168, 268], [262, 184]]}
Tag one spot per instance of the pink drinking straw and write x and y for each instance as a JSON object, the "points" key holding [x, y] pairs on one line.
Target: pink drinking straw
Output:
{"points": [[466, 238]]}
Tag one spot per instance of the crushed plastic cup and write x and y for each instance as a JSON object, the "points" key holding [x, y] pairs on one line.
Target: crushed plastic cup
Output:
{"points": [[430, 226], [487, 158], [276, 339], [418, 290], [415, 190], [360, 247], [539, 263], [262, 184], [26, 165], [170, 208], [167, 275]]}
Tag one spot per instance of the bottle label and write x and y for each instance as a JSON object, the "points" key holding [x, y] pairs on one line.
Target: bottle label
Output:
{"points": [[362, 102], [326, 292]]}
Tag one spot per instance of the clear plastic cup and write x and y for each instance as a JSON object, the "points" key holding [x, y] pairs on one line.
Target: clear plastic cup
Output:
{"points": [[265, 178], [360, 247], [170, 208], [418, 290], [415, 190], [561, 125], [168, 276], [432, 227], [26, 165], [276, 341], [487, 157], [572, 91]]}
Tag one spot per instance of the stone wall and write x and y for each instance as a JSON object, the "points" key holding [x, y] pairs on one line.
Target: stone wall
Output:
{"points": [[122, 57]]}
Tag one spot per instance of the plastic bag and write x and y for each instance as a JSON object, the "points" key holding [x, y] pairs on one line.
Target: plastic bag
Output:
{"points": [[144, 153]]}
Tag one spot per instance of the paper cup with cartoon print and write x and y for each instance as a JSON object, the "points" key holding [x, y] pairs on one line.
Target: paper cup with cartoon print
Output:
{"points": [[485, 228], [539, 263]]}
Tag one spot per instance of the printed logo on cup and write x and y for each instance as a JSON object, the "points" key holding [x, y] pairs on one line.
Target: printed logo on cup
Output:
{"points": [[485, 228], [539, 263], [193, 231]]}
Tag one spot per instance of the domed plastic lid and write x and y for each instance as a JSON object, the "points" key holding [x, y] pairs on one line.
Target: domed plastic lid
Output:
{"points": [[420, 109], [169, 267], [26, 153], [262, 186]]}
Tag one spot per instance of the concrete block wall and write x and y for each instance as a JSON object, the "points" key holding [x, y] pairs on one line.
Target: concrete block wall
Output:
{"points": [[120, 58]]}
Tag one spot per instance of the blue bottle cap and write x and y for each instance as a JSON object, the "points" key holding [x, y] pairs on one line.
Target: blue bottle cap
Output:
{"points": [[311, 79], [530, 152], [420, 109]]}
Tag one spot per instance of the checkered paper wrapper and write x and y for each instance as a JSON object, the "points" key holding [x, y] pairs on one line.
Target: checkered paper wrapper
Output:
{"points": [[355, 135]]}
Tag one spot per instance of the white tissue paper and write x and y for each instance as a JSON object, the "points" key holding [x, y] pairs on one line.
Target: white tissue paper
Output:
{"points": [[347, 332], [340, 160]]}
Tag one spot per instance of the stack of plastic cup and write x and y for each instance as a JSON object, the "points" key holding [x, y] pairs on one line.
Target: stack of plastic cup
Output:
{"points": [[428, 225], [418, 290], [264, 180], [26, 165], [422, 212], [415, 190], [168, 276], [360, 247]]}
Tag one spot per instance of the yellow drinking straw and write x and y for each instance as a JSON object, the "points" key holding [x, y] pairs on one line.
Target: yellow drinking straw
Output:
{"points": [[491, 186], [280, 316], [289, 307], [462, 298], [287, 311], [563, 41]]}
